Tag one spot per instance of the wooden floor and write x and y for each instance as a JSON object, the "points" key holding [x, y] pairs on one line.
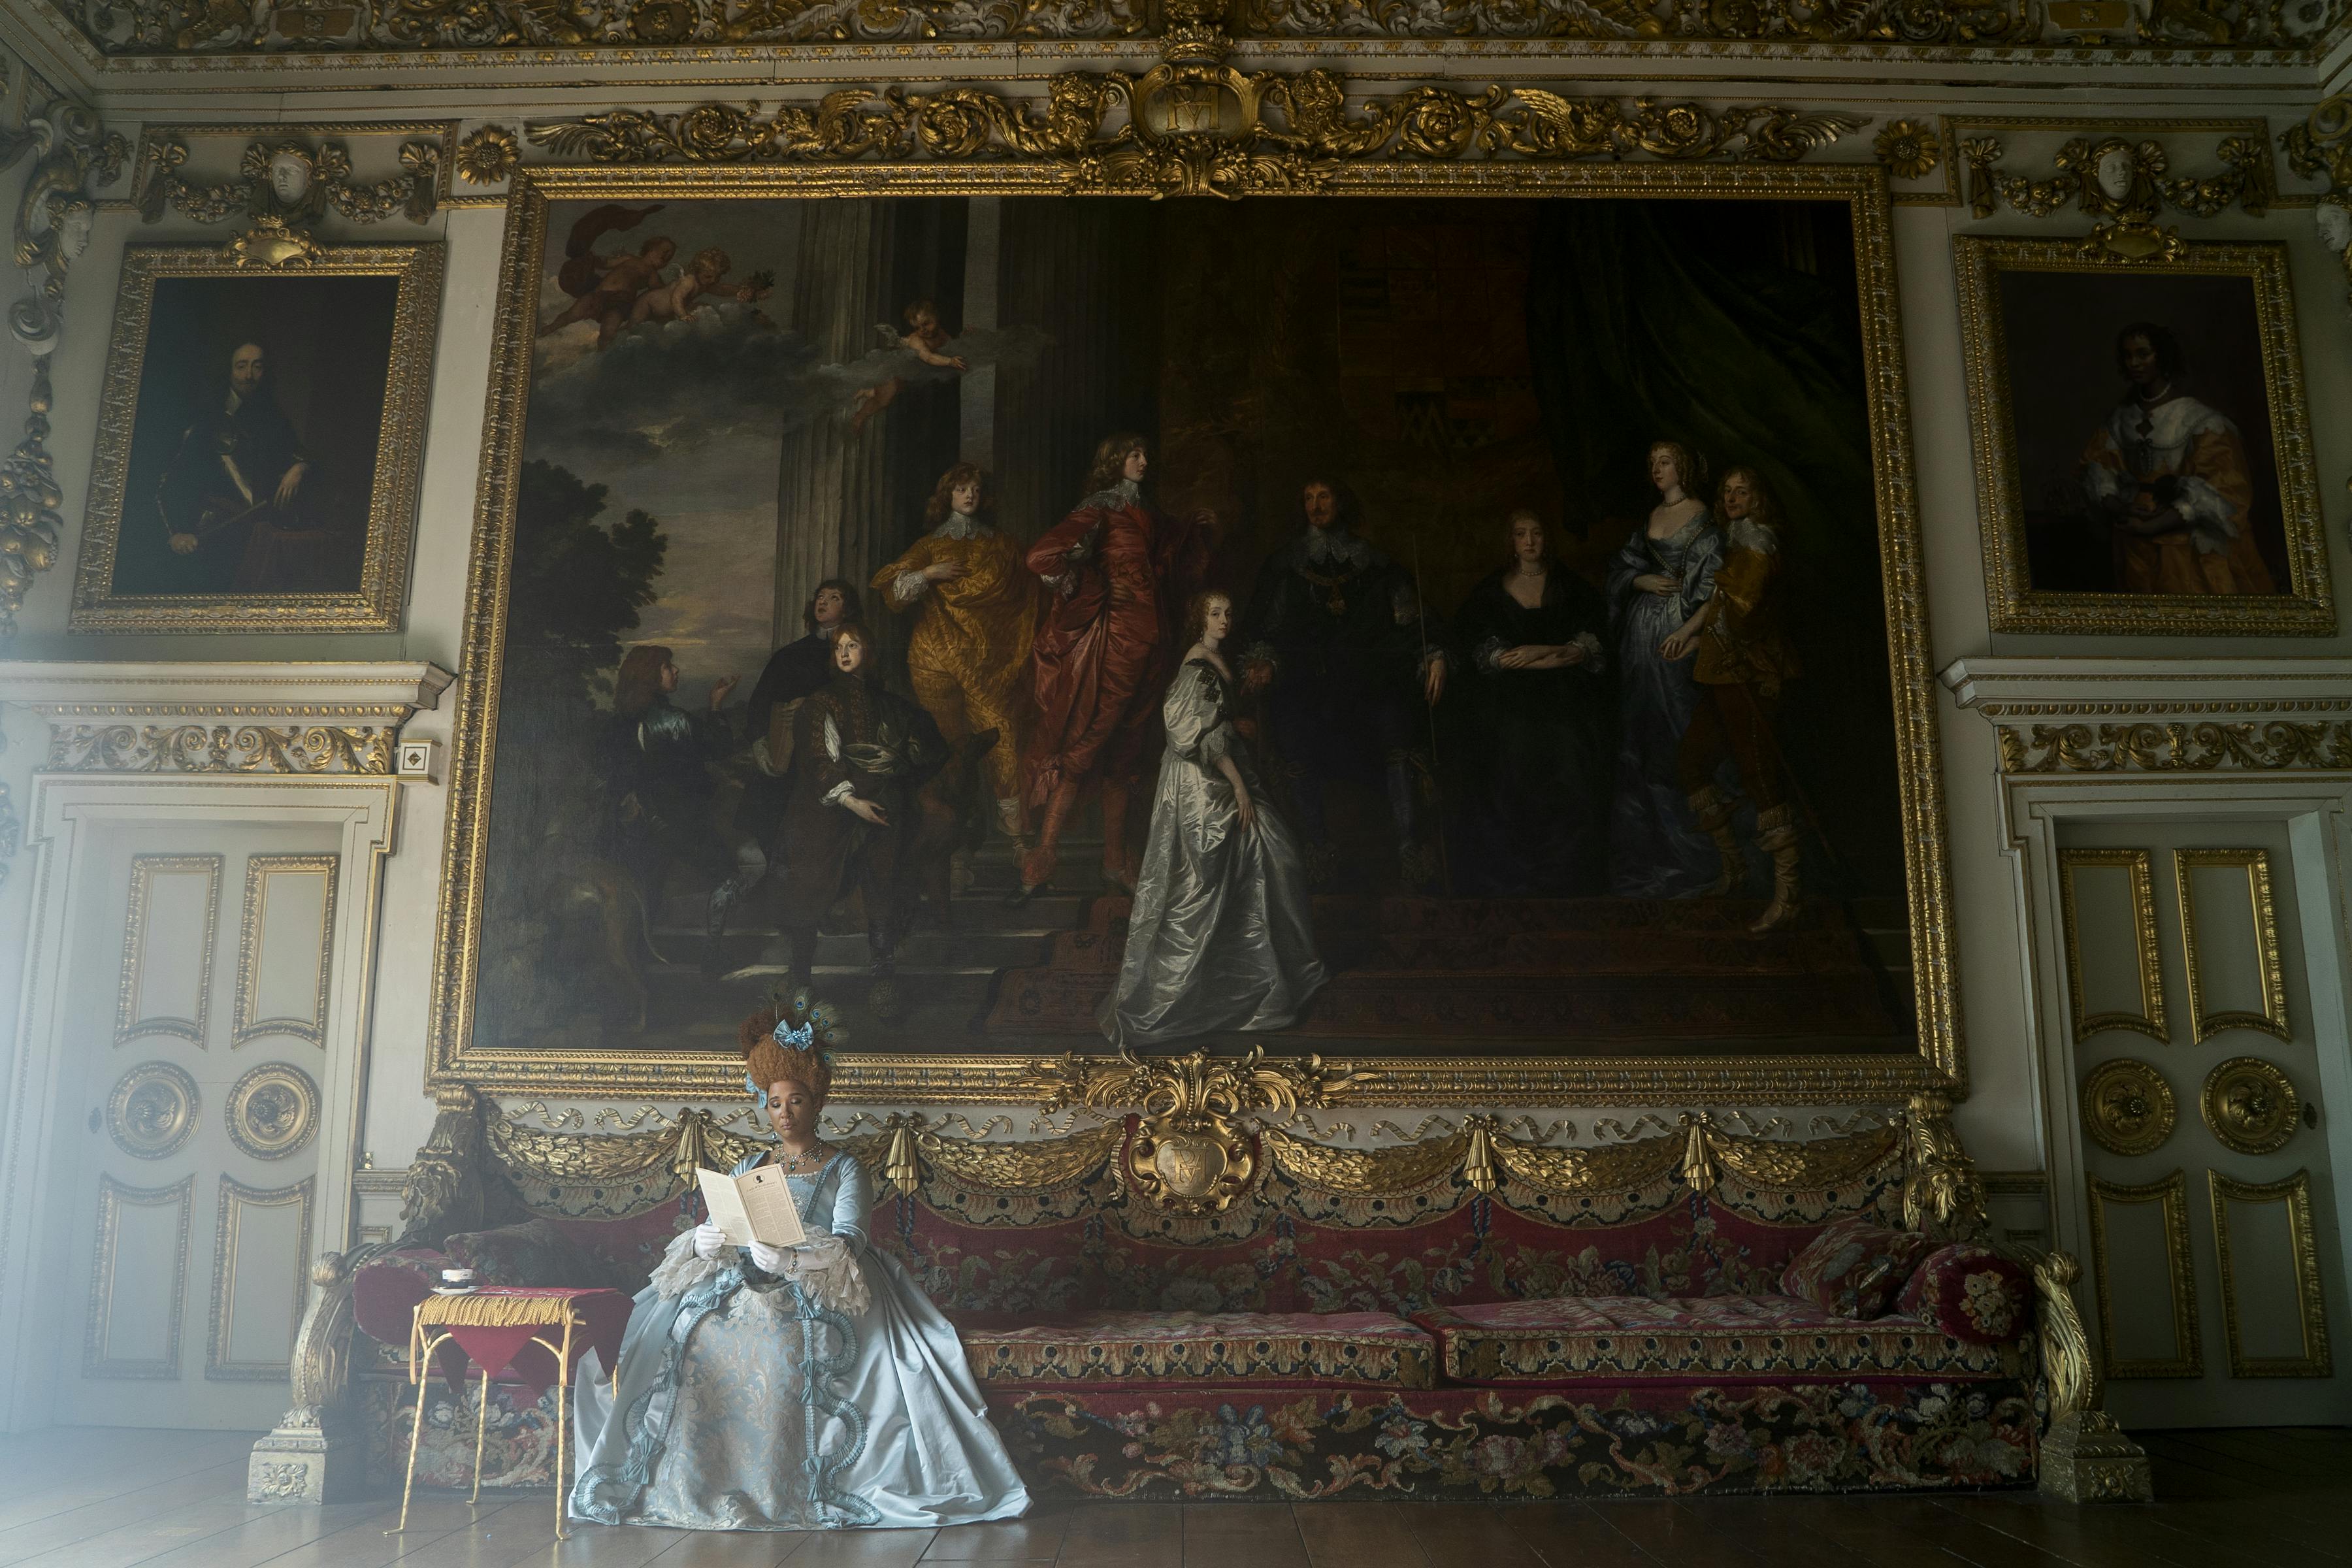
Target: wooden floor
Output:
{"points": [[88, 1498]]}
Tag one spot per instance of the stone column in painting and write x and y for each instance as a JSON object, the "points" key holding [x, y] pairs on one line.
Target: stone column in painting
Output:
{"points": [[1084, 273], [833, 485], [850, 499]]}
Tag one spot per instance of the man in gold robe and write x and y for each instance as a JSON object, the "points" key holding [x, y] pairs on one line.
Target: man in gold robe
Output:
{"points": [[2167, 475], [1744, 660], [975, 606]]}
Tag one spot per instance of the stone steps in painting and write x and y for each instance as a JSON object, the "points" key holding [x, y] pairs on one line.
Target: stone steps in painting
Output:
{"points": [[1622, 969]]}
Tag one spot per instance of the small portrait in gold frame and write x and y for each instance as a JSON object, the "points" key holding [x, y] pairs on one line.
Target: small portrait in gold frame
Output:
{"points": [[2143, 453], [260, 442]]}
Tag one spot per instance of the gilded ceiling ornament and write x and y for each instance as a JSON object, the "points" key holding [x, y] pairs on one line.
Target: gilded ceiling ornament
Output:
{"points": [[214, 27], [222, 748], [1908, 149], [1193, 127], [2278, 745], [487, 156], [273, 1110], [2123, 185], [2321, 149], [2251, 1105], [285, 187], [2127, 1108], [152, 1110]]}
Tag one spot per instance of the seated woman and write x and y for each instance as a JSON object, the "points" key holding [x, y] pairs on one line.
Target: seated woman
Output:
{"points": [[811, 1387]]}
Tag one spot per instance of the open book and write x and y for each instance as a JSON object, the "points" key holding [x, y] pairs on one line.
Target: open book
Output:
{"points": [[754, 1207]]}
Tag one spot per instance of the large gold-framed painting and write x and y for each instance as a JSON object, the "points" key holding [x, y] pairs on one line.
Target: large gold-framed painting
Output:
{"points": [[260, 442], [2143, 448], [1471, 633]]}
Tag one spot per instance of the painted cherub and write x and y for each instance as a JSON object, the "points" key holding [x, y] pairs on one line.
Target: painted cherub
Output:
{"points": [[606, 287], [924, 338], [674, 301]]}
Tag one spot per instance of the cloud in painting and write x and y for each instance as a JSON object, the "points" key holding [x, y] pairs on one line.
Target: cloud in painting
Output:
{"points": [[726, 370]]}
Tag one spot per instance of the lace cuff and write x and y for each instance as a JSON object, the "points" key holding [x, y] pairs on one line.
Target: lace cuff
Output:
{"points": [[680, 1271], [908, 586]]}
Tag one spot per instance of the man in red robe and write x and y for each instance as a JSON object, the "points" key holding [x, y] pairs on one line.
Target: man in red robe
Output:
{"points": [[1119, 572]]}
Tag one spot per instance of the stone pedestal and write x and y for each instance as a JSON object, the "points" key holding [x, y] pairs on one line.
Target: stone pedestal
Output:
{"points": [[2086, 1458], [307, 1460]]}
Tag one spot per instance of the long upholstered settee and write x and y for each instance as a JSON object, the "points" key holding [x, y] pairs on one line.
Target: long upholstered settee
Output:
{"points": [[1469, 1315]]}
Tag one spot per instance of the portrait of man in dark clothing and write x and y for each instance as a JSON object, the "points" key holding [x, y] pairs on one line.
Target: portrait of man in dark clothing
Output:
{"points": [[257, 436], [236, 501], [1350, 661]]}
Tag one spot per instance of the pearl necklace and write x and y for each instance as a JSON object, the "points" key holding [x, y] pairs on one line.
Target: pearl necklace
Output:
{"points": [[796, 1164]]}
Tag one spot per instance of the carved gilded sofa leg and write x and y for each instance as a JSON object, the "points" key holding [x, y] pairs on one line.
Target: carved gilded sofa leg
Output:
{"points": [[317, 1451], [2085, 1456]]}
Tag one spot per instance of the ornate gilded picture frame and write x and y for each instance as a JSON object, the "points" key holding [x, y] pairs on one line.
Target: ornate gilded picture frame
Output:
{"points": [[560, 215], [260, 442], [2143, 449]]}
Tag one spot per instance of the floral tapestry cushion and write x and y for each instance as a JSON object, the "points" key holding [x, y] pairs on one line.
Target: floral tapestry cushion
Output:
{"points": [[1971, 1293], [1855, 1268], [1369, 1347], [1707, 1337]]}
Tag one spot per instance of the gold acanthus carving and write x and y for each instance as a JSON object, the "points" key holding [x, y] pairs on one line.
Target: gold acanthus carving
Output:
{"points": [[287, 184], [1193, 127], [222, 749], [2085, 1456], [2275, 746], [71, 155], [2123, 185], [1194, 1146], [1942, 1193]]}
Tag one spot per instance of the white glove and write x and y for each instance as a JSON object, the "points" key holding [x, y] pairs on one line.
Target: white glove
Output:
{"points": [[710, 1241], [771, 1260]]}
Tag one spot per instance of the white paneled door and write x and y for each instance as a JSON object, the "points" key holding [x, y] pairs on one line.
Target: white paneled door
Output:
{"points": [[200, 974], [2216, 1260]]}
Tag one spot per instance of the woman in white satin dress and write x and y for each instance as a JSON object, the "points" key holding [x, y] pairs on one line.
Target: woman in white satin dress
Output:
{"points": [[1222, 936], [809, 1387]]}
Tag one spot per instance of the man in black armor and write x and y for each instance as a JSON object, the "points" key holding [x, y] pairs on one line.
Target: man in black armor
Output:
{"points": [[1337, 633]]}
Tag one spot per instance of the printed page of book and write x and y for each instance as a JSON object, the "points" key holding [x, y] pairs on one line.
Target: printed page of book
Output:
{"points": [[756, 1207]]}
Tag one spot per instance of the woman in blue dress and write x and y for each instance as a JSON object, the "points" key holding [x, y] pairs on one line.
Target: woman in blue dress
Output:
{"points": [[1658, 585], [810, 1387]]}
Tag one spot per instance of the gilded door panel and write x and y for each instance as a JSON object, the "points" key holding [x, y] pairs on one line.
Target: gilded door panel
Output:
{"points": [[2275, 1312], [287, 935], [138, 1276], [2113, 975], [2230, 943], [167, 948], [260, 1239], [2147, 1279]]}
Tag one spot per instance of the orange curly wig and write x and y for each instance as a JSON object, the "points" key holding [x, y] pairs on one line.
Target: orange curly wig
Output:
{"points": [[767, 1062]]}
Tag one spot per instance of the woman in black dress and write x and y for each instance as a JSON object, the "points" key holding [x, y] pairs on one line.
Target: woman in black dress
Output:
{"points": [[1536, 824]]}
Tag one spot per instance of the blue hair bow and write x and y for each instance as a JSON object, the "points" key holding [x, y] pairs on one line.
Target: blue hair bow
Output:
{"points": [[795, 1039]]}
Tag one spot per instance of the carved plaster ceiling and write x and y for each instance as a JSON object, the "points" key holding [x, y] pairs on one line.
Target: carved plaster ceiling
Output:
{"points": [[652, 32]]}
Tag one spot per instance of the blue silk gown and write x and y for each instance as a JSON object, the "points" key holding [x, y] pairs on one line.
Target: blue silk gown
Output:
{"points": [[746, 1401]]}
